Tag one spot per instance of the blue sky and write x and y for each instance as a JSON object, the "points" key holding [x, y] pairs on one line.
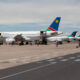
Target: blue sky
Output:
{"points": [[40, 12]]}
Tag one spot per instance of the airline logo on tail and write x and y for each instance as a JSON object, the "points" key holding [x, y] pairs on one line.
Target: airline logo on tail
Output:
{"points": [[73, 34], [55, 25]]}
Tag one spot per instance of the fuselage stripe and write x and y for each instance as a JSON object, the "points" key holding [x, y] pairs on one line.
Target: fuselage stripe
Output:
{"points": [[51, 29]]}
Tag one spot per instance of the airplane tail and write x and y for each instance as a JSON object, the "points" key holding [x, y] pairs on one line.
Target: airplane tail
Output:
{"points": [[55, 25], [73, 34]]}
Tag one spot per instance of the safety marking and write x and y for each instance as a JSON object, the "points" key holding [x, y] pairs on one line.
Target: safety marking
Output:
{"points": [[50, 59], [64, 60], [53, 62], [77, 60], [78, 55], [72, 57]]}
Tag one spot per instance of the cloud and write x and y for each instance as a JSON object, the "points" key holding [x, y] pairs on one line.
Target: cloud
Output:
{"points": [[43, 1], [22, 11]]}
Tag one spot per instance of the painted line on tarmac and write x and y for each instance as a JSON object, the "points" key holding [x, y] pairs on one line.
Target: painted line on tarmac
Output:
{"points": [[33, 69], [77, 60], [51, 59], [64, 60], [72, 57]]}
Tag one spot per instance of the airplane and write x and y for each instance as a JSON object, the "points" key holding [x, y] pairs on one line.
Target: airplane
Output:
{"points": [[77, 37], [63, 38], [71, 37], [34, 35]]}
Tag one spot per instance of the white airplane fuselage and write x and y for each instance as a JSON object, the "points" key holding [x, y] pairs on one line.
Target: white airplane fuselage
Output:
{"points": [[29, 35], [60, 38]]}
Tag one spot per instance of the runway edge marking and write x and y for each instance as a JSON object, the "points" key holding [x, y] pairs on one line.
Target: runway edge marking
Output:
{"points": [[25, 71]]}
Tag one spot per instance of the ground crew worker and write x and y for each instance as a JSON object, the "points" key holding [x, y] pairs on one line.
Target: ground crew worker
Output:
{"points": [[19, 42], [38, 42], [79, 43], [57, 43]]}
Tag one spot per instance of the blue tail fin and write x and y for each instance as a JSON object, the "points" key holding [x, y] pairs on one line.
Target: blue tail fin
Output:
{"points": [[74, 34], [55, 25]]}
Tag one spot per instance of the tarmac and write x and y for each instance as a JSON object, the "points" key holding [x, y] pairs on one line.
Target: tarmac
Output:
{"points": [[60, 68], [15, 55]]}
